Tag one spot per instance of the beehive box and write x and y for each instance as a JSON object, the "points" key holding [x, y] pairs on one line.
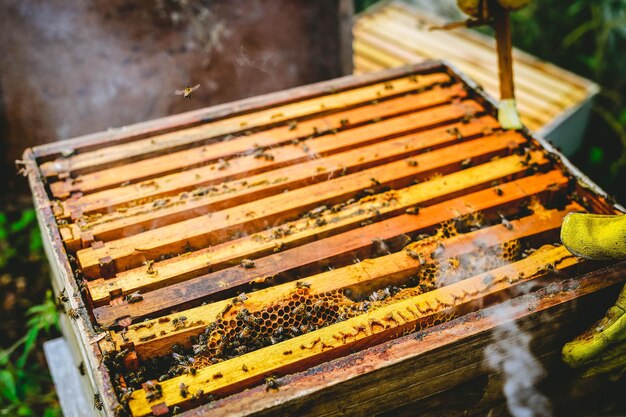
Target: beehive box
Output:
{"points": [[337, 248], [553, 102]]}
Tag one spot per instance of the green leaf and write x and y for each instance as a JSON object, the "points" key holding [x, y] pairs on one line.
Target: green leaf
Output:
{"points": [[31, 338], [51, 412], [24, 410], [596, 155], [28, 218], [8, 389], [35, 243]]}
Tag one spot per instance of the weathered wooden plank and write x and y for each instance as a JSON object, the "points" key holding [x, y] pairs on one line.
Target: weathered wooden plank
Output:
{"points": [[336, 250], [529, 105], [362, 279], [254, 162], [400, 373], [408, 16], [301, 231], [252, 217], [362, 65], [478, 55], [136, 219], [355, 333], [231, 147], [534, 105], [93, 160]]}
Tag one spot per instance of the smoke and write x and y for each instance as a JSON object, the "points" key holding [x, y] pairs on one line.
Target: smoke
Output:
{"points": [[511, 356]]}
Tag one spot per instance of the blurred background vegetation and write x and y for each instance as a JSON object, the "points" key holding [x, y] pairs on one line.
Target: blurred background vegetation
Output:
{"points": [[28, 317], [587, 37]]}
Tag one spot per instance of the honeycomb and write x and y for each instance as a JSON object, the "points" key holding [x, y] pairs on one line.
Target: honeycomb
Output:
{"points": [[303, 311]]}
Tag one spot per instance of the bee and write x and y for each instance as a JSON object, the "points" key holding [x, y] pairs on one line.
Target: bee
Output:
{"points": [[72, 313], [240, 299], [153, 391], [455, 132], [62, 297], [183, 390], [150, 271], [97, 402], [278, 247], [226, 309], [244, 368], [222, 164], [466, 163], [413, 210], [81, 368], [505, 222], [438, 250], [186, 92], [179, 322], [271, 383], [415, 255], [247, 263], [293, 125], [134, 297]]}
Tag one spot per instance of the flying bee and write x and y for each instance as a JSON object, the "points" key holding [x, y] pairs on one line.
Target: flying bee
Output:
{"points": [[187, 91]]}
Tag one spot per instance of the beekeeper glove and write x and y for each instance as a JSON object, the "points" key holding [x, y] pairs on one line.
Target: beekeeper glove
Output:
{"points": [[602, 348]]}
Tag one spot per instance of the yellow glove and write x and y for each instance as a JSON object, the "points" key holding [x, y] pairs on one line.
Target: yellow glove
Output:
{"points": [[603, 347]]}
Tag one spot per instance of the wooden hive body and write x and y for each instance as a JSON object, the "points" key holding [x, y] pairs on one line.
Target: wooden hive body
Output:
{"points": [[351, 239]]}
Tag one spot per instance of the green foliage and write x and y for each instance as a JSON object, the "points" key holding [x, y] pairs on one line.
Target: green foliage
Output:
{"points": [[19, 238], [22, 384], [26, 388], [587, 37]]}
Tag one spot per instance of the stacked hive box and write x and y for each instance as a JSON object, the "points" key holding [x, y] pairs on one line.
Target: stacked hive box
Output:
{"points": [[552, 102], [261, 256]]}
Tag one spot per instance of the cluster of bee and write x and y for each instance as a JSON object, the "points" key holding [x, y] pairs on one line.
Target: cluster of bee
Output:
{"points": [[231, 335], [153, 391]]}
